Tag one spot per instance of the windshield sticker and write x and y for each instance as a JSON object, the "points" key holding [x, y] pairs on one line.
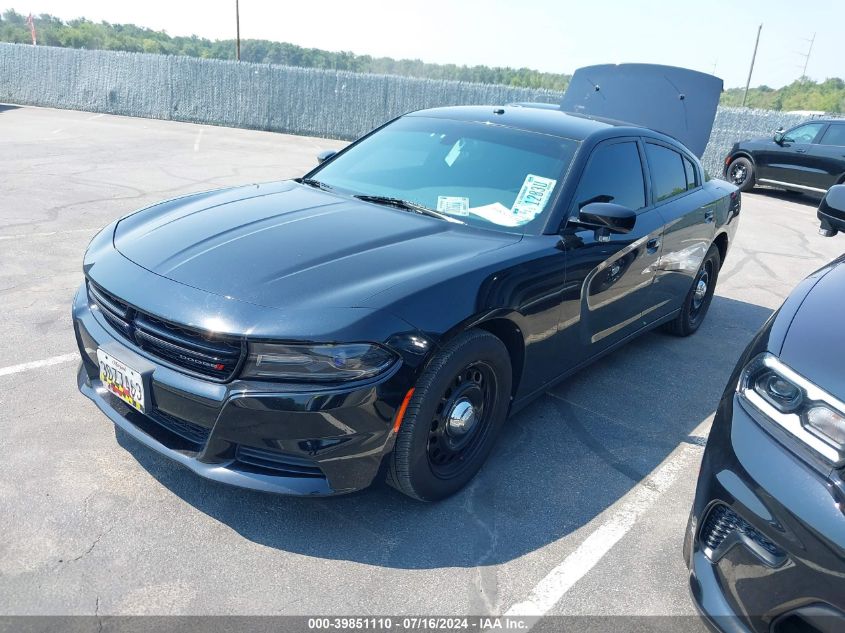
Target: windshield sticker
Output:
{"points": [[453, 154], [453, 205], [497, 213], [533, 197]]}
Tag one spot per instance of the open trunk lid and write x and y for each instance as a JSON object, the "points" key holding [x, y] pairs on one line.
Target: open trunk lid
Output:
{"points": [[675, 101]]}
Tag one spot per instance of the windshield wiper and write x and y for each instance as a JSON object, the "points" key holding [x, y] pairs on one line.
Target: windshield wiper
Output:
{"points": [[407, 205], [313, 182]]}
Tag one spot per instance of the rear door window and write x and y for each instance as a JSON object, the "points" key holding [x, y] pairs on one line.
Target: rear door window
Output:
{"points": [[668, 175], [835, 135]]}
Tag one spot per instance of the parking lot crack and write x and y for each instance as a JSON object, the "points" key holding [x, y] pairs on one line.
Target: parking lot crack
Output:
{"points": [[97, 615], [93, 544], [489, 597]]}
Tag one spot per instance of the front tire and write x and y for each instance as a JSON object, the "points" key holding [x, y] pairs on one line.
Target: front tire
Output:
{"points": [[699, 296], [459, 405], [741, 173]]}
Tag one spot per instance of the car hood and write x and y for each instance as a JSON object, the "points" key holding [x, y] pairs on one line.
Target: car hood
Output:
{"points": [[814, 344], [285, 245], [754, 143]]}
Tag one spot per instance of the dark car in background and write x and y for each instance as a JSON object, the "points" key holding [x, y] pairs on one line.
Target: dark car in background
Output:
{"points": [[809, 158], [765, 543], [387, 311]]}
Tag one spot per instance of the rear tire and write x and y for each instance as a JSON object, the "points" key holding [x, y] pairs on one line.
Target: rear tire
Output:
{"points": [[741, 173], [699, 296], [459, 405]]}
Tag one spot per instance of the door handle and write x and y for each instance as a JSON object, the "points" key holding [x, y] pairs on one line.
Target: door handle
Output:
{"points": [[801, 151], [652, 245], [708, 216]]}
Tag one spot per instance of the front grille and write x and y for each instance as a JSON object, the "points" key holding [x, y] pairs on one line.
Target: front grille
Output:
{"points": [[184, 429], [183, 347], [276, 463], [723, 528], [113, 310]]}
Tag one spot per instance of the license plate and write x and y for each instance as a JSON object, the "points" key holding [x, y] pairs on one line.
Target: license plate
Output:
{"points": [[121, 380]]}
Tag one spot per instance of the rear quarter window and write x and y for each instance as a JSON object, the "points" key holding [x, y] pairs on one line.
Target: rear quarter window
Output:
{"points": [[691, 173]]}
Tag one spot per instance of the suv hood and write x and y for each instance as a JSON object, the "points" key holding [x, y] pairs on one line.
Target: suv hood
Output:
{"points": [[285, 245], [814, 344]]}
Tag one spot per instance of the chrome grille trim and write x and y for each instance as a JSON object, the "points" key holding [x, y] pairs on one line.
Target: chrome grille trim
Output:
{"points": [[185, 348]]}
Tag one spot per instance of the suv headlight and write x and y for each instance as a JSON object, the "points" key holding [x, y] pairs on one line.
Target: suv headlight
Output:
{"points": [[317, 363], [796, 405]]}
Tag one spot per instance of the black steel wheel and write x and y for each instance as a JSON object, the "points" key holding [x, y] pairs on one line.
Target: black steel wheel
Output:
{"points": [[741, 173], [461, 420], [699, 297], [459, 404]]}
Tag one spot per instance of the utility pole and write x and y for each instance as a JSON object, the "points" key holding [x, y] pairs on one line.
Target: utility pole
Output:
{"points": [[238, 32], [751, 70], [807, 57], [31, 23]]}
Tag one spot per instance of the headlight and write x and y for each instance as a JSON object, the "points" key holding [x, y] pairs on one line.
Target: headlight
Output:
{"points": [[795, 404], [317, 363]]}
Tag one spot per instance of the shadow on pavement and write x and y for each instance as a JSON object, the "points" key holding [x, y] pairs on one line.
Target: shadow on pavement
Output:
{"points": [[806, 199], [6, 106], [557, 465]]}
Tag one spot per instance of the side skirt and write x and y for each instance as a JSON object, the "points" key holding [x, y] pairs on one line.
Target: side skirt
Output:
{"points": [[524, 401]]}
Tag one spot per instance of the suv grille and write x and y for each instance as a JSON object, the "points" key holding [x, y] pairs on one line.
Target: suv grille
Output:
{"points": [[186, 348], [723, 528]]}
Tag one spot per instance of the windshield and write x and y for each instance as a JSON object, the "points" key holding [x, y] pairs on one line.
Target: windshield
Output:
{"points": [[481, 174]]}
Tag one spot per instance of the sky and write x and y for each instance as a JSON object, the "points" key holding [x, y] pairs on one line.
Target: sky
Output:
{"points": [[548, 35]]}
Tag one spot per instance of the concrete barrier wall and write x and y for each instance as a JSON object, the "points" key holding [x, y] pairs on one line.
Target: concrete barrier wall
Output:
{"points": [[313, 102]]}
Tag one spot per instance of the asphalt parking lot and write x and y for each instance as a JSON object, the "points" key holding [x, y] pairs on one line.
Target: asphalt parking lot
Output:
{"points": [[580, 510]]}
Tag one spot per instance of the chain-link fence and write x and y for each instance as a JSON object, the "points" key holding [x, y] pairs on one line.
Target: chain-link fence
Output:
{"points": [[313, 102]]}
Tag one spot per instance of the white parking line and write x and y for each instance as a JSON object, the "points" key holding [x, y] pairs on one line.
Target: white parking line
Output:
{"points": [[549, 591], [197, 142], [55, 360], [18, 236]]}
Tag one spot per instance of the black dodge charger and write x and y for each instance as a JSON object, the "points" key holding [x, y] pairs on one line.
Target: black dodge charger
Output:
{"points": [[386, 312], [766, 538]]}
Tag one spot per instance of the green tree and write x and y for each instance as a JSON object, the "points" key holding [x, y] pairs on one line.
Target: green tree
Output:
{"points": [[82, 33]]}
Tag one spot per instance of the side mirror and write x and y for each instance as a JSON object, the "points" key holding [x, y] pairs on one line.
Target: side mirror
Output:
{"points": [[322, 157], [778, 137], [614, 218], [832, 211]]}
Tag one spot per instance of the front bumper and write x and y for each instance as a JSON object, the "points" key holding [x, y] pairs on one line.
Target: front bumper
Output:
{"points": [[265, 436], [781, 562]]}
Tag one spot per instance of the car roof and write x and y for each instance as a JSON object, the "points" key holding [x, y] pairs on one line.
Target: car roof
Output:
{"points": [[545, 119], [532, 118]]}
